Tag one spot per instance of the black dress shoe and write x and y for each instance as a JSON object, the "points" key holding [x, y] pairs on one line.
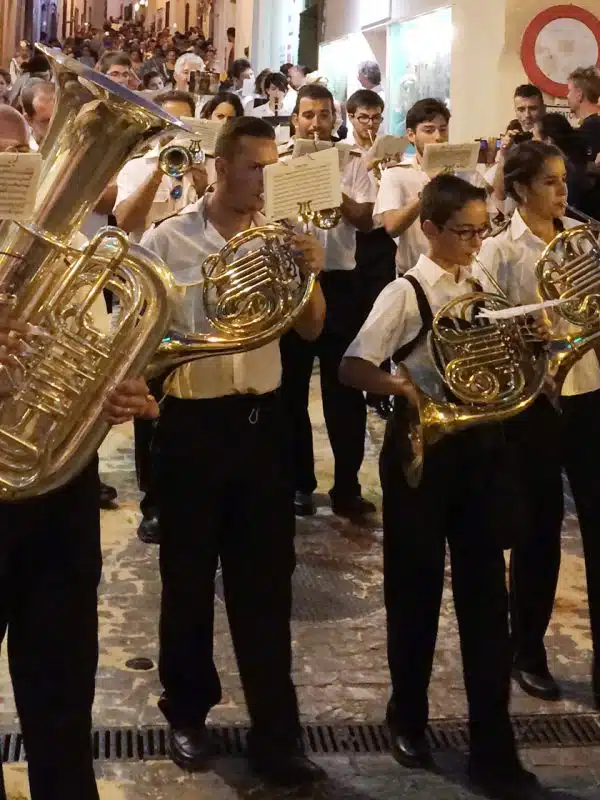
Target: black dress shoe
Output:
{"points": [[541, 685], [411, 752], [108, 496], [149, 530], [190, 748], [293, 770], [353, 508], [514, 783], [304, 505]]}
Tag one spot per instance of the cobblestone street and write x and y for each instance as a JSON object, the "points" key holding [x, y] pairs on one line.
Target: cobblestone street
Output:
{"points": [[339, 648]]}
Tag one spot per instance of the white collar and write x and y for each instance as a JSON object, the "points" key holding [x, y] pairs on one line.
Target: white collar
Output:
{"points": [[519, 228], [433, 273]]}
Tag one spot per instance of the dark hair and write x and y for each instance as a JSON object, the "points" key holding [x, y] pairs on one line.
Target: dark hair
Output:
{"points": [[112, 59], [370, 70], [558, 129], [301, 68], [314, 91], [222, 97], [150, 75], [364, 98], [587, 79], [235, 129], [6, 75], [514, 125], [285, 68], [37, 64], [231, 31], [444, 195], [278, 80], [524, 162], [176, 96], [31, 89], [240, 65], [260, 80], [426, 111], [530, 91]]}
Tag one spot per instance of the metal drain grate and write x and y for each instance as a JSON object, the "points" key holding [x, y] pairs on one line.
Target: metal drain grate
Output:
{"points": [[144, 744]]}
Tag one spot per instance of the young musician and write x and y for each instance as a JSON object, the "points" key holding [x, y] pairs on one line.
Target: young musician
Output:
{"points": [[451, 504], [225, 489], [535, 177], [344, 408], [50, 565]]}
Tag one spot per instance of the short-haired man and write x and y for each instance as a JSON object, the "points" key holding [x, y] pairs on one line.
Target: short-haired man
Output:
{"points": [[529, 106], [50, 565], [117, 66], [365, 112], [345, 410], [281, 98], [297, 76], [241, 70], [225, 488], [184, 66], [583, 97], [369, 77], [37, 99]]}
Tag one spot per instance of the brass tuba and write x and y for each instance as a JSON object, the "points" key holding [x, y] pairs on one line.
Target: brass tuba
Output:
{"points": [[51, 416]]}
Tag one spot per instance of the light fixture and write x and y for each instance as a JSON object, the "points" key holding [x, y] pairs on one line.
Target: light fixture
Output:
{"points": [[136, 7]]}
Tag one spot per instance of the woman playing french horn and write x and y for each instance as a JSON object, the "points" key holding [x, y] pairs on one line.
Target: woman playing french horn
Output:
{"points": [[455, 501], [535, 177]]}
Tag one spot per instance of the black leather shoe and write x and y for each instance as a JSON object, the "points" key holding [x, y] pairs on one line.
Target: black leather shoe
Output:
{"points": [[293, 770], [354, 508], [515, 783], [304, 505], [541, 685], [149, 530], [190, 748], [108, 496], [411, 752]]}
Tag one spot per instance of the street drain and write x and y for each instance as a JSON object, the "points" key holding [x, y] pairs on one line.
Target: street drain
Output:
{"points": [[143, 744]]}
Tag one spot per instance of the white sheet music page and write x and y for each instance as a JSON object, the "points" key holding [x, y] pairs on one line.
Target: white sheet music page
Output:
{"points": [[207, 130], [450, 158], [314, 178], [19, 177]]}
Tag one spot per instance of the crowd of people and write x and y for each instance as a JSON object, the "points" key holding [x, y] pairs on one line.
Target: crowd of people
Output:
{"points": [[404, 246]]}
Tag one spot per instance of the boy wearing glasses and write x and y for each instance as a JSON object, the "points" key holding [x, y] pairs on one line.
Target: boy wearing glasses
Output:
{"points": [[451, 504]]}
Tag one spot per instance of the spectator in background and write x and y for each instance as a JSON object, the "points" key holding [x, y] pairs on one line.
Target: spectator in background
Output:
{"points": [[259, 97], [117, 66], [17, 63], [210, 59], [369, 77], [278, 104], [184, 66], [153, 81], [223, 106], [38, 98], [87, 57], [583, 97], [5, 82], [241, 70], [297, 76], [529, 106], [230, 48]]}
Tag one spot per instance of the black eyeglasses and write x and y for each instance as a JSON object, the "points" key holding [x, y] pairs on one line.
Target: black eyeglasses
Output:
{"points": [[364, 119], [468, 234]]}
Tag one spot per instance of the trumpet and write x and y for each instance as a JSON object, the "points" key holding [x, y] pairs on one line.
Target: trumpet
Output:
{"points": [[176, 160]]}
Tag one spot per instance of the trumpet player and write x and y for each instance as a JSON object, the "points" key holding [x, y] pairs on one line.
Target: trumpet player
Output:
{"points": [[344, 408], [50, 565], [535, 178], [453, 504], [226, 491]]}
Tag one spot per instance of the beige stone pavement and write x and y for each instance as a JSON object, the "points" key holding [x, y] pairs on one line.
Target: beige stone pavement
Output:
{"points": [[339, 645]]}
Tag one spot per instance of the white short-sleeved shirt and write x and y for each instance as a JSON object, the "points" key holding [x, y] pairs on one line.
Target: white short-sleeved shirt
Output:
{"points": [[183, 242], [136, 172], [511, 257], [401, 185], [265, 110], [395, 321]]}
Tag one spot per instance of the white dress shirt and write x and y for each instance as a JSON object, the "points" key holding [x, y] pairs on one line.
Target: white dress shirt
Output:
{"points": [[136, 172], [395, 321], [401, 185], [511, 257], [183, 242], [286, 108]]}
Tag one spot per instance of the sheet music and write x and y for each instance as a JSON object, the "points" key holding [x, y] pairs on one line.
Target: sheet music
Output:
{"points": [[206, 130], [314, 178], [388, 145], [450, 157], [303, 147], [521, 311], [19, 177]]}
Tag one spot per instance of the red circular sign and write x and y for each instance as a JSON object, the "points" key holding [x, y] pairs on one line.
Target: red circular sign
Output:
{"points": [[530, 37]]}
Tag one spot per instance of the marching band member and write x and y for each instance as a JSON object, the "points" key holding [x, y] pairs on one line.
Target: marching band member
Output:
{"points": [[50, 565], [344, 408], [225, 490], [452, 503], [535, 177]]}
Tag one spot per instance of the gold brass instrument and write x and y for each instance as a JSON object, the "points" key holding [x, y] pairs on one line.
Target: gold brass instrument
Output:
{"points": [[175, 160], [51, 418], [492, 367], [328, 218]]}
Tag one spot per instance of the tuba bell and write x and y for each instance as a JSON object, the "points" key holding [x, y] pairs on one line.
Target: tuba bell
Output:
{"points": [[51, 417]]}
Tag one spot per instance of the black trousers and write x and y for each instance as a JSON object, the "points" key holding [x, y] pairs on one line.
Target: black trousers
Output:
{"points": [[145, 454], [450, 505], [50, 565], [344, 408], [551, 442], [226, 494]]}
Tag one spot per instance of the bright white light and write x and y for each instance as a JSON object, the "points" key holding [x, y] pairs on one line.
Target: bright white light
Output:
{"points": [[136, 7]]}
